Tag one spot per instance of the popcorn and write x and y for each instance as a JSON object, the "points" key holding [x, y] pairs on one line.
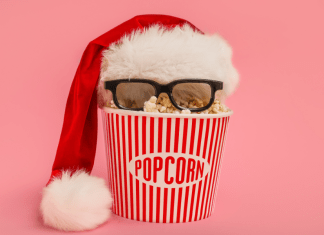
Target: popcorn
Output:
{"points": [[217, 107], [162, 109], [162, 104], [153, 99], [150, 106], [185, 111], [112, 105]]}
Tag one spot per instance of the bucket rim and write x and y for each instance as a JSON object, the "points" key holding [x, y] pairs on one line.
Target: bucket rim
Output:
{"points": [[165, 115]]}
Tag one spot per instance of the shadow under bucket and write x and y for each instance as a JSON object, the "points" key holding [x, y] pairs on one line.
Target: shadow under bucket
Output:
{"points": [[162, 167]]}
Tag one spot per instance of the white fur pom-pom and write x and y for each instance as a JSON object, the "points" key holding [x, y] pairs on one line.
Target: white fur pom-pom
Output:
{"points": [[76, 203]]}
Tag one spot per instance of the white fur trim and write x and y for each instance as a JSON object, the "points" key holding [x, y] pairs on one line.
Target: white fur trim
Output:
{"points": [[165, 55], [76, 203]]}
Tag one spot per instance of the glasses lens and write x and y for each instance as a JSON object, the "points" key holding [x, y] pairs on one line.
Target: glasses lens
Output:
{"points": [[132, 95], [192, 95]]}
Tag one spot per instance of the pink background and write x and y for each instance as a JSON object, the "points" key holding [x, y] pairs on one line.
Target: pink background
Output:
{"points": [[272, 176]]}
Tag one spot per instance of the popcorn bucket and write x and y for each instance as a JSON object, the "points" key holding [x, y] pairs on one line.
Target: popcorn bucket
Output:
{"points": [[162, 167]]}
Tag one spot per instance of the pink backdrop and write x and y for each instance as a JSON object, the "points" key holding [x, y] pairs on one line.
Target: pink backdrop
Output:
{"points": [[272, 176]]}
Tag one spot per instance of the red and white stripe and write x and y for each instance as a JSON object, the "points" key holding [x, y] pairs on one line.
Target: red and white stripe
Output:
{"points": [[130, 136]]}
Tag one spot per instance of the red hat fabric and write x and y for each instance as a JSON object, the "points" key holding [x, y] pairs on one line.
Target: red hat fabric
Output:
{"points": [[77, 145]]}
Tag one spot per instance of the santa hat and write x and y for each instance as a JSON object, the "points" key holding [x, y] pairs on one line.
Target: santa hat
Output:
{"points": [[73, 200]]}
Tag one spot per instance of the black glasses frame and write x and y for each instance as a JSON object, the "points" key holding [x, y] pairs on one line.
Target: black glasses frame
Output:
{"points": [[167, 88]]}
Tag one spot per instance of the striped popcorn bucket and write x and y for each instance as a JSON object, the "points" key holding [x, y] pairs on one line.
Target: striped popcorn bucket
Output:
{"points": [[163, 168]]}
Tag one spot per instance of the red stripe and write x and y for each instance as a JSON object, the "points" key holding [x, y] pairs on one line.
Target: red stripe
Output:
{"points": [[168, 140], [152, 135], [143, 135], [151, 203], [160, 135], [165, 204], [130, 137], [137, 201], [206, 138], [131, 195], [151, 151], [137, 182], [144, 152], [179, 205], [119, 167], [218, 166], [199, 136], [192, 201], [144, 201], [130, 158], [198, 201], [192, 141], [124, 163], [172, 204], [186, 204], [114, 164], [136, 136], [212, 167], [185, 131], [158, 191], [176, 135], [212, 140]]}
